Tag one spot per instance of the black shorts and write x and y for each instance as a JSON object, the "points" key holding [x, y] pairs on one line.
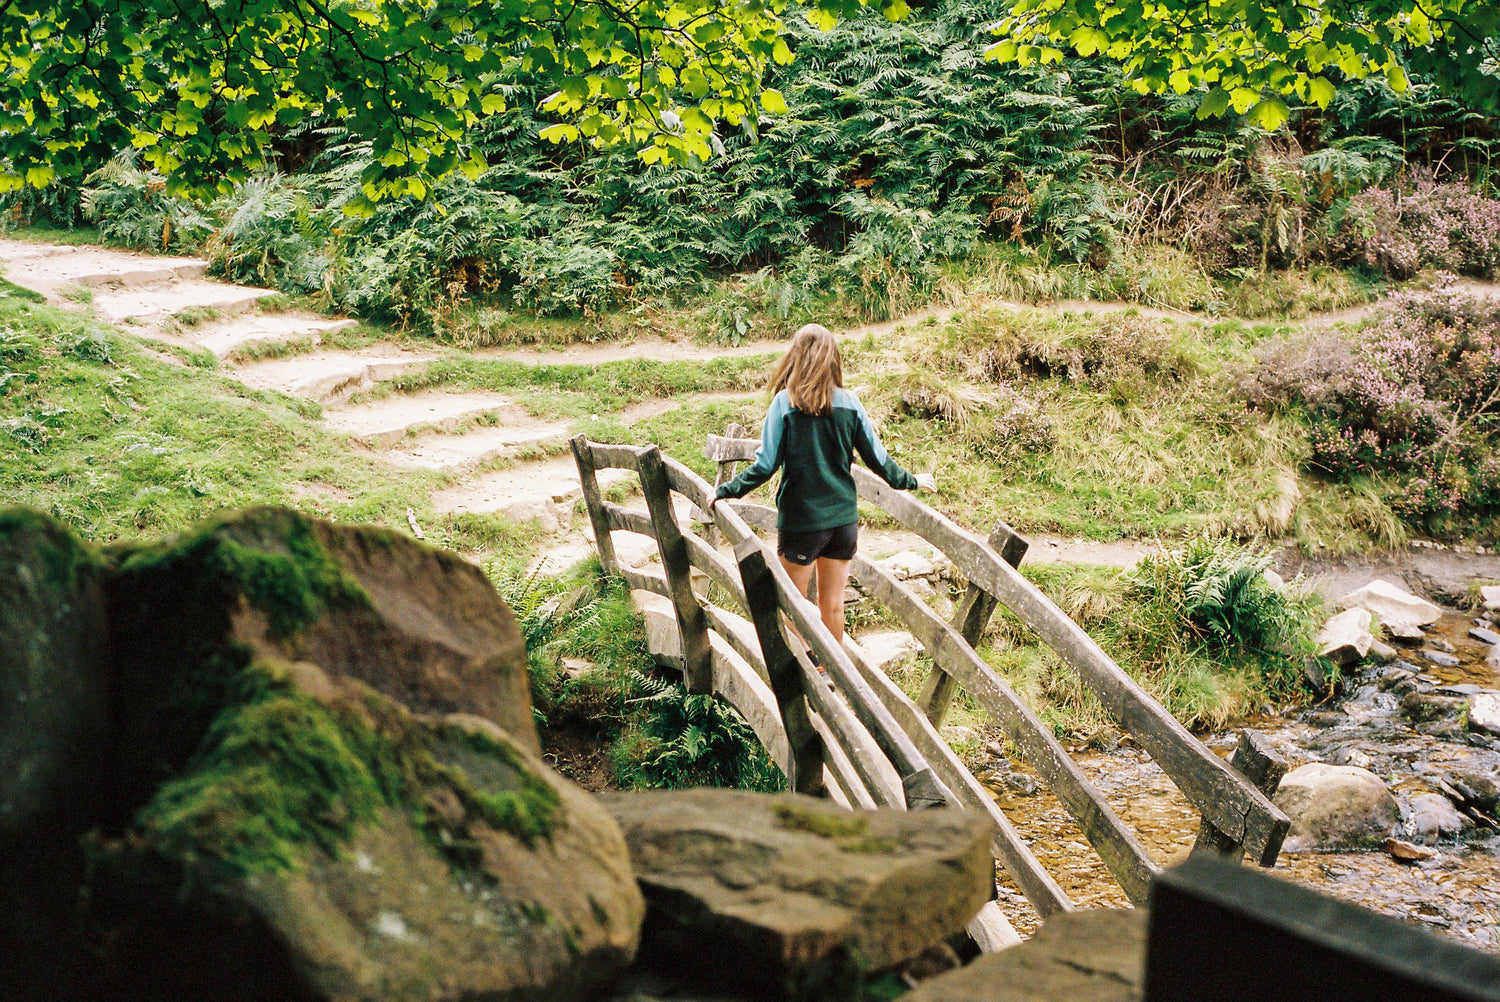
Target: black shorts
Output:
{"points": [[838, 543]]}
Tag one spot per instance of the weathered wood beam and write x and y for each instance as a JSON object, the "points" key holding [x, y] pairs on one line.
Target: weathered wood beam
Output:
{"points": [[1044, 893], [1232, 805], [806, 772], [970, 619], [1116, 844], [615, 457], [588, 480], [1258, 761], [696, 659]]}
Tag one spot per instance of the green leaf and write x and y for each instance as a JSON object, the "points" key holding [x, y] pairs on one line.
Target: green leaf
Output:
{"points": [[1270, 114], [1214, 104], [1320, 91], [773, 102], [896, 10]]}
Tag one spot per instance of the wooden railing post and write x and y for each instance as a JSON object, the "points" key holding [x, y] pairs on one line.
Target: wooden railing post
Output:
{"points": [[806, 765], [973, 615], [1258, 762], [722, 475], [697, 657], [588, 479]]}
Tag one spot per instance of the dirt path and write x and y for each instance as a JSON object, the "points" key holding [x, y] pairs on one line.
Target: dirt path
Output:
{"points": [[464, 434]]}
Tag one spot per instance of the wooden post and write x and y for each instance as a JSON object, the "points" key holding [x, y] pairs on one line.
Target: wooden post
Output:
{"points": [[583, 455], [973, 614], [698, 671], [1258, 762], [782, 668], [723, 475]]}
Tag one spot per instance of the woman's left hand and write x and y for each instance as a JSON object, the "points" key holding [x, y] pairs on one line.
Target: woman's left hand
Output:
{"points": [[926, 482]]}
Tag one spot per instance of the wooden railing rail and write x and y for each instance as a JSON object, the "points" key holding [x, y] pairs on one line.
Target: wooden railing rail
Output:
{"points": [[1235, 808]]}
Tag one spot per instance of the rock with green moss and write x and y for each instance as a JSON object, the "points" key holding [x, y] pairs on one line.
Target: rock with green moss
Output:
{"points": [[793, 897], [322, 782], [54, 679]]}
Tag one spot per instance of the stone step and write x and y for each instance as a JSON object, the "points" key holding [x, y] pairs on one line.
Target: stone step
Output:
{"points": [[384, 423], [224, 338], [455, 453], [48, 268], [329, 375], [159, 301], [516, 492]]}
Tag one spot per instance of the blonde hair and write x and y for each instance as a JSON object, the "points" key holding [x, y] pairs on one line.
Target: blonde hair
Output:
{"points": [[810, 370]]}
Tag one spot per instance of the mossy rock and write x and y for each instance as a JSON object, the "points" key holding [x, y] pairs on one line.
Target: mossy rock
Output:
{"points": [[420, 625], [460, 866], [54, 679]]}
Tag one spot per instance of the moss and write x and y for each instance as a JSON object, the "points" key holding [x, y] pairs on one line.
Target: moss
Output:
{"points": [[269, 555], [493, 783], [63, 554], [276, 775], [849, 832]]}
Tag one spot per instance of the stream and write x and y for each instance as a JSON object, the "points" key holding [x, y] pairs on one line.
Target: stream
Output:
{"points": [[1455, 892]]}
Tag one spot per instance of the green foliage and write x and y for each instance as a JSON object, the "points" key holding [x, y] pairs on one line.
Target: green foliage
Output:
{"points": [[205, 90], [131, 206], [655, 734], [1253, 57]]}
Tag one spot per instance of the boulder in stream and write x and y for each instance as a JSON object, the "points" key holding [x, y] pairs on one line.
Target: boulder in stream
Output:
{"points": [[1433, 817], [1399, 611], [793, 897], [1336, 807], [1484, 712], [1345, 639]]}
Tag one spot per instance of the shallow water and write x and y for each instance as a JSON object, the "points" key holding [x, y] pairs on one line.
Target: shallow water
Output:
{"points": [[1455, 893]]}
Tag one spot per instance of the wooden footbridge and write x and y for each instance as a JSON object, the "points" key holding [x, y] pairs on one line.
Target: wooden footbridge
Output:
{"points": [[856, 737]]}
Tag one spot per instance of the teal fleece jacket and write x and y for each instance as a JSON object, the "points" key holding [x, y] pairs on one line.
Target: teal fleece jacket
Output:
{"points": [[814, 454]]}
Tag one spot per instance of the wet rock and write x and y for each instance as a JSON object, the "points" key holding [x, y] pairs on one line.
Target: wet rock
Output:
{"points": [[1394, 675], [1486, 636], [1345, 638], [1478, 789], [1484, 712], [1424, 707], [1325, 718], [1438, 643], [1405, 851], [1381, 653], [1351, 757], [1433, 816], [1398, 610], [795, 897], [1336, 807], [1441, 658], [1096, 955]]}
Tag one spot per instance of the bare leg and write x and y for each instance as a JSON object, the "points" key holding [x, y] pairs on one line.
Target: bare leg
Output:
{"points": [[833, 575], [801, 575]]}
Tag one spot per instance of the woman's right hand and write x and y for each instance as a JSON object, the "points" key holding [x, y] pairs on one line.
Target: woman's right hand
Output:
{"points": [[926, 482]]}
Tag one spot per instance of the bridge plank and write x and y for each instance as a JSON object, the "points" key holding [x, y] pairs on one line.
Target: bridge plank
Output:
{"points": [[1014, 854], [1225, 799], [1116, 844]]}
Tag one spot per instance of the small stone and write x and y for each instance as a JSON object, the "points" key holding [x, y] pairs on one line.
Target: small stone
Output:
{"points": [[1433, 816], [1393, 676], [1407, 852], [1381, 653], [1487, 636], [908, 564], [1490, 594], [1442, 658], [1423, 707], [1438, 643], [1405, 632]]}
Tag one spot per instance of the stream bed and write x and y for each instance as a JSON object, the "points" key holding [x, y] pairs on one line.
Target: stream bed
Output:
{"points": [[1455, 892]]}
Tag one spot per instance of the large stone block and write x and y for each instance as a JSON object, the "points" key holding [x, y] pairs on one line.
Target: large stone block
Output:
{"points": [[1336, 807], [796, 897]]}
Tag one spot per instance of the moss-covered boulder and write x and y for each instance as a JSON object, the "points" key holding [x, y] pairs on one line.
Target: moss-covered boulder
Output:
{"points": [[319, 779], [54, 734], [54, 679]]}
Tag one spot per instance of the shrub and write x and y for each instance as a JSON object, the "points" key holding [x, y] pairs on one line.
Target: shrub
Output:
{"points": [[1418, 223], [131, 206]]}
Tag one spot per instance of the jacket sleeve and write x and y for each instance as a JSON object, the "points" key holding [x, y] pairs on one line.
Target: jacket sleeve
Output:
{"points": [[867, 444], [767, 458]]}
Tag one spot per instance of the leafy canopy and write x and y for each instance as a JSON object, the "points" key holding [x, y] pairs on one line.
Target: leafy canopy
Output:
{"points": [[1249, 55], [202, 87]]}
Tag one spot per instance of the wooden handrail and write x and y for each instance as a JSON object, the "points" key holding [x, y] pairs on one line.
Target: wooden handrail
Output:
{"points": [[1231, 804]]}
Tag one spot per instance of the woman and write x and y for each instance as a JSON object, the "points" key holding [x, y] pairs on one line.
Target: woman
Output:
{"points": [[812, 431]]}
